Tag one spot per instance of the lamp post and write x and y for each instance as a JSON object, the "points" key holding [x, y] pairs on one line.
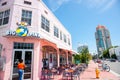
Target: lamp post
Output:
{"points": [[96, 54], [101, 50]]}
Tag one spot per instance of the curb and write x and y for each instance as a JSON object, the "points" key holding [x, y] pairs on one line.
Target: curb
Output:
{"points": [[116, 74]]}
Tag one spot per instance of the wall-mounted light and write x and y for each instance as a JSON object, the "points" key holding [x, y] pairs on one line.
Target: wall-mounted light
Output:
{"points": [[0, 49], [3, 49]]}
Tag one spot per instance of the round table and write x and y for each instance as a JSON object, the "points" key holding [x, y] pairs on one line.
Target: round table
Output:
{"points": [[70, 71]]}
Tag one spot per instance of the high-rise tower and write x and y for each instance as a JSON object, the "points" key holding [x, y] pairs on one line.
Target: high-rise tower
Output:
{"points": [[103, 40]]}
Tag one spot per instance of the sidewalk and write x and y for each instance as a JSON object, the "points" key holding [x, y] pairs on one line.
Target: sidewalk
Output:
{"points": [[89, 73]]}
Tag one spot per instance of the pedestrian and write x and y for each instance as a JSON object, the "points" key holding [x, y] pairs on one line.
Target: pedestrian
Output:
{"points": [[21, 67]]}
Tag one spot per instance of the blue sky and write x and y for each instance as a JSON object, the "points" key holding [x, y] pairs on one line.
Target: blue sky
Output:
{"points": [[81, 17]]}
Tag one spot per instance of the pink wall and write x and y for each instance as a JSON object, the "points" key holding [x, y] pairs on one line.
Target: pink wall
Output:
{"points": [[8, 53]]}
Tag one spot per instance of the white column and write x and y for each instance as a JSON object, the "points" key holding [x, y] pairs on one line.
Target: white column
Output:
{"points": [[58, 58], [67, 56]]}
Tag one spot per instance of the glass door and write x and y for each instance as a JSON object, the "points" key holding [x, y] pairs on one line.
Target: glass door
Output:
{"points": [[28, 60], [17, 56], [26, 55]]}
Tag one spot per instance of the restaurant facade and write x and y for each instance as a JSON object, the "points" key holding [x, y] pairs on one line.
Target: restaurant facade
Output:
{"points": [[30, 31]]}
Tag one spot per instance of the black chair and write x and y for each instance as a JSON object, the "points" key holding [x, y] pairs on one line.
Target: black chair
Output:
{"points": [[49, 75], [65, 75]]}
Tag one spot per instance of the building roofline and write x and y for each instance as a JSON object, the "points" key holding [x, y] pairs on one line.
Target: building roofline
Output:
{"points": [[54, 16]]}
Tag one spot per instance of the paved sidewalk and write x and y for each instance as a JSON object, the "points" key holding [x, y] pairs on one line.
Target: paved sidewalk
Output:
{"points": [[89, 73]]}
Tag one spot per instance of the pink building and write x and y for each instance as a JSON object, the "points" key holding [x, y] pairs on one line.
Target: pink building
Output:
{"points": [[30, 31]]}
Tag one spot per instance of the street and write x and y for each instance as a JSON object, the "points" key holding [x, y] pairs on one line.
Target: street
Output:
{"points": [[114, 66]]}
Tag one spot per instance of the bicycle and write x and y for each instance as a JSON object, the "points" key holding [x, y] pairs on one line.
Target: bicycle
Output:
{"points": [[105, 67]]}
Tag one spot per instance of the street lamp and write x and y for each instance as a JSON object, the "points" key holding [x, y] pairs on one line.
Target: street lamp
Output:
{"points": [[96, 54], [101, 50]]}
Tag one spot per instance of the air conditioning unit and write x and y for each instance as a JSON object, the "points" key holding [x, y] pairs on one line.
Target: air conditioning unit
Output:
{"points": [[2, 63]]}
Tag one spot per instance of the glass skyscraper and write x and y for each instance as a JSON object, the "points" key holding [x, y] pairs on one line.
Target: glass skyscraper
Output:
{"points": [[103, 40]]}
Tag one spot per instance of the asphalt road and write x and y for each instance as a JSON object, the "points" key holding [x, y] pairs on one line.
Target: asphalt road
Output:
{"points": [[114, 66]]}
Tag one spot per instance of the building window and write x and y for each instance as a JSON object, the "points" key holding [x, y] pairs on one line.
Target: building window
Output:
{"points": [[60, 35], [27, 2], [56, 32], [4, 3], [45, 12], [68, 41], [26, 16], [4, 17], [18, 45], [101, 43], [45, 24], [64, 38], [99, 34]]}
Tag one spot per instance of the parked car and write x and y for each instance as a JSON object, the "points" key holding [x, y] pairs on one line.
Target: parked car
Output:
{"points": [[107, 59], [113, 60], [118, 60], [99, 61]]}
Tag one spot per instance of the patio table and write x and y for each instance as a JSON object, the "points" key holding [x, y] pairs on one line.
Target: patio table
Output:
{"points": [[71, 72], [53, 71]]}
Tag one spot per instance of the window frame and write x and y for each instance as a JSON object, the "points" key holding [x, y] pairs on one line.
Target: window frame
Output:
{"points": [[4, 3], [26, 16], [28, 2], [4, 17], [69, 41], [61, 37], [45, 23], [56, 32], [65, 38]]}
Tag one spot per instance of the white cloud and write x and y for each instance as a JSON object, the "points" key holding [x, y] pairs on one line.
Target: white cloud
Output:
{"points": [[95, 3], [77, 1], [55, 4], [101, 5], [108, 5]]}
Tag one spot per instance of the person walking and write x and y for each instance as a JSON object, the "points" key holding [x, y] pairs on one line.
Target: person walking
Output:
{"points": [[21, 67]]}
